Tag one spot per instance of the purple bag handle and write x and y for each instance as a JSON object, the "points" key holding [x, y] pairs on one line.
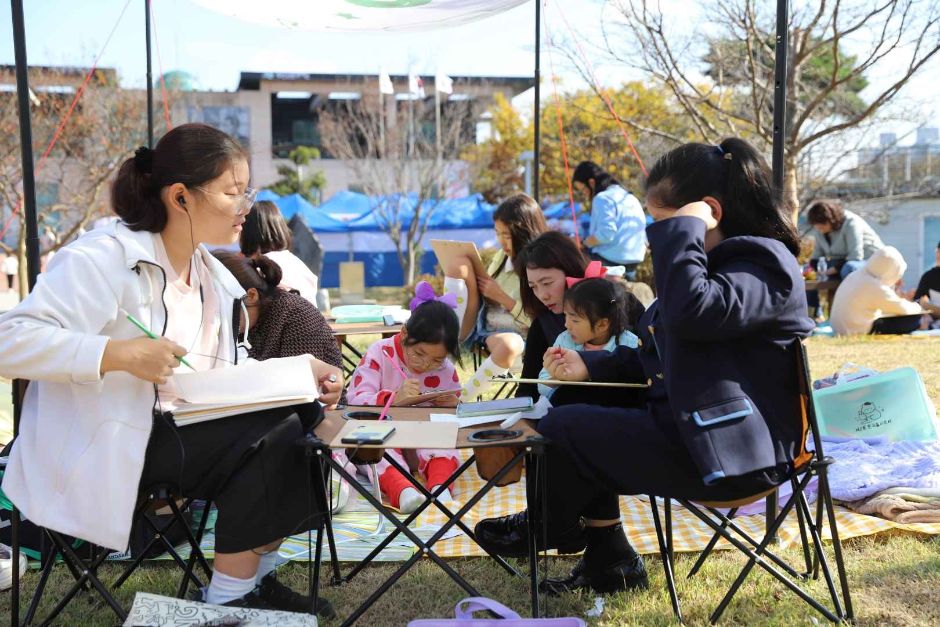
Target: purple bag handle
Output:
{"points": [[465, 609]]}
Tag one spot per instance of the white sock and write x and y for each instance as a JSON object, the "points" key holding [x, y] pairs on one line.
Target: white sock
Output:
{"points": [[457, 287], [224, 588], [480, 381], [409, 500], [444, 496], [266, 565]]}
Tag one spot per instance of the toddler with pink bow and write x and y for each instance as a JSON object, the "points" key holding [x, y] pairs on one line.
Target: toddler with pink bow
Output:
{"points": [[400, 369]]}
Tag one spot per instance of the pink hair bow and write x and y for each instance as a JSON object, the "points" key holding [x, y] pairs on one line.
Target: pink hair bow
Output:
{"points": [[425, 293], [594, 271]]}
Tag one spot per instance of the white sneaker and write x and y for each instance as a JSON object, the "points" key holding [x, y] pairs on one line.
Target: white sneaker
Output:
{"points": [[409, 500], [6, 566]]}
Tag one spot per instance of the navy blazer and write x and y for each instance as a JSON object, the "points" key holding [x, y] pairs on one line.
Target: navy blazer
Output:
{"points": [[717, 348]]}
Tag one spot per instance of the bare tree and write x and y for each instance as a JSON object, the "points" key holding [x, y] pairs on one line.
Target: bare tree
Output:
{"points": [[393, 152], [723, 74], [73, 181]]}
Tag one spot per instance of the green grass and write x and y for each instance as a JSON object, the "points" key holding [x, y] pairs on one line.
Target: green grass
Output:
{"points": [[894, 576]]}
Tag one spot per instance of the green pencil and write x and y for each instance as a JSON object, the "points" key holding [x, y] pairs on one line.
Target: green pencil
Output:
{"points": [[153, 336]]}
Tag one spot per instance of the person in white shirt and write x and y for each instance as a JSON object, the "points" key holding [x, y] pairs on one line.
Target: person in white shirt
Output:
{"points": [[95, 428], [10, 267], [266, 233], [868, 294]]}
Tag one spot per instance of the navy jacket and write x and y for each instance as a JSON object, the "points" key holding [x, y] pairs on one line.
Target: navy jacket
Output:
{"points": [[717, 348]]}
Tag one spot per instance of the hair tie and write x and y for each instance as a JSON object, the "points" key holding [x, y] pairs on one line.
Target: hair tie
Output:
{"points": [[424, 293], [143, 160], [594, 271], [721, 151]]}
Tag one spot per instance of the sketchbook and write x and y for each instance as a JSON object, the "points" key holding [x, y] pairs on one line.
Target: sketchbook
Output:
{"points": [[253, 386], [448, 250]]}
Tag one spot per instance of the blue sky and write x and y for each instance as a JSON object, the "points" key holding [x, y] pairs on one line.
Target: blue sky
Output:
{"points": [[215, 48]]}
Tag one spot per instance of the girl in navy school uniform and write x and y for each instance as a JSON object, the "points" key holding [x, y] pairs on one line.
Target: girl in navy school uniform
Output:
{"points": [[717, 348]]}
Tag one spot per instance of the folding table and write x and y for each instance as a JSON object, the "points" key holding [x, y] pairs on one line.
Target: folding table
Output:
{"points": [[529, 446]]}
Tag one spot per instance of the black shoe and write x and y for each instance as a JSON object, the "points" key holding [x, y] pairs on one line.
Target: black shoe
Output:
{"points": [[280, 597], [508, 536], [563, 584], [250, 600]]}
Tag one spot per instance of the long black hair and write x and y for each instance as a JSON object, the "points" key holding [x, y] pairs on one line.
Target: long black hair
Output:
{"points": [[524, 219], [191, 154], [549, 250], [588, 170], [599, 298], [736, 175]]}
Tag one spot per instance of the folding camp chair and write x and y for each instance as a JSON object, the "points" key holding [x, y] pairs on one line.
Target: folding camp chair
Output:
{"points": [[808, 464]]}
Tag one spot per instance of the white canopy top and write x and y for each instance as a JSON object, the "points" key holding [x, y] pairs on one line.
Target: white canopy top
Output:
{"points": [[361, 15]]}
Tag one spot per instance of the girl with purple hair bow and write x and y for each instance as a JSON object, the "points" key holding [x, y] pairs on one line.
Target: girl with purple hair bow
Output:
{"points": [[404, 367]]}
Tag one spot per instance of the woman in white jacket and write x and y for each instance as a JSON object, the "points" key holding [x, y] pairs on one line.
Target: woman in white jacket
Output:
{"points": [[868, 294], [94, 429]]}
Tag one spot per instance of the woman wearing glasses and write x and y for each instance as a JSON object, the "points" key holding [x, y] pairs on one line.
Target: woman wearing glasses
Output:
{"points": [[94, 429]]}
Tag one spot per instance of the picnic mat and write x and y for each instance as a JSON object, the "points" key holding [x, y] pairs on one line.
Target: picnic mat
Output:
{"points": [[357, 533]]}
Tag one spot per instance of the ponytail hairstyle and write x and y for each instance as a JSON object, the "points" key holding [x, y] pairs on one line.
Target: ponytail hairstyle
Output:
{"points": [[191, 154], [736, 175], [262, 274], [265, 230], [549, 250], [434, 322], [588, 170], [600, 298]]}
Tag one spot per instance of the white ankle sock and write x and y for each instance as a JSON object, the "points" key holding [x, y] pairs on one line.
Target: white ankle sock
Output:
{"points": [[445, 495], [224, 588], [480, 381], [457, 287], [409, 500], [266, 565]]}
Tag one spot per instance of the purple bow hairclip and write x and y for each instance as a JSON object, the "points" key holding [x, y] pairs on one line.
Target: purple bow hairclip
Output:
{"points": [[425, 293]]}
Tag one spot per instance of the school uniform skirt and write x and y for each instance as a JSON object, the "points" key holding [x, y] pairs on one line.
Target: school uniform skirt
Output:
{"points": [[249, 465]]}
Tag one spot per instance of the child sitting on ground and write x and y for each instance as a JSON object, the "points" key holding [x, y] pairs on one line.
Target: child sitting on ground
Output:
{"points": [[598, 315], [402, 368]]}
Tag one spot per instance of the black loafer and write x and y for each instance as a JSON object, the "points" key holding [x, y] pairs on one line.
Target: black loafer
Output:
{"points": [[627, 574], [279, 596], [508, 536]]}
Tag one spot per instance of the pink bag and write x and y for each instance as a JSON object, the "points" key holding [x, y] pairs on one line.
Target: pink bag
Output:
{"points": [[463, 617]]}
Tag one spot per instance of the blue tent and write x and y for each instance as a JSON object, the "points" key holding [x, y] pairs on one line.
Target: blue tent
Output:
{"points": [[315, 218], [562, 211], [267, 194], [346, 206]]}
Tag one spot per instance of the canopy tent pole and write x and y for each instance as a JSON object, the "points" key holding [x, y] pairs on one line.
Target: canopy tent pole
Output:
{"points": [[780, 92], [32, 245], [538, 59], [149, 75]]}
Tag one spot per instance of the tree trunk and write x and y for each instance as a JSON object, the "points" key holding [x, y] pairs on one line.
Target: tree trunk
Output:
{"points": [[790, 194], [21, 274]]}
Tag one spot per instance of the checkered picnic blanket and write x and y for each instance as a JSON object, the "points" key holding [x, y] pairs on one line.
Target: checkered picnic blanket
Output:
{"points": [[357, 528]]}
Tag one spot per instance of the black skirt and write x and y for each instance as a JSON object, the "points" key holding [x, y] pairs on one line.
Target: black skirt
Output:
{"points": [[249, 466]]}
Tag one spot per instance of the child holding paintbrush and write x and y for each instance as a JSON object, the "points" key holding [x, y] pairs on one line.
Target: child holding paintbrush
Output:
{"points": [[399, 371]]}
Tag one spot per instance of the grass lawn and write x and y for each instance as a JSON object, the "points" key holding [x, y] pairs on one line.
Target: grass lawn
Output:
{"points": [[894, 577]]}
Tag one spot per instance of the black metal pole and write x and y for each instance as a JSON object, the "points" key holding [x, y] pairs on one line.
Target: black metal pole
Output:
{"points": [[149, 77], [32, 245], [538, 60], [780, 92]]}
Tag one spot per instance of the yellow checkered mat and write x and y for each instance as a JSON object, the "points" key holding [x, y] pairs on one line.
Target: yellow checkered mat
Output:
{"points": [[358, 530]]}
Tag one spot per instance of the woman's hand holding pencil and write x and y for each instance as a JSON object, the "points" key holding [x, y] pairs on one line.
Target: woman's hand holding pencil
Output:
{"points": [[148, 359]]}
